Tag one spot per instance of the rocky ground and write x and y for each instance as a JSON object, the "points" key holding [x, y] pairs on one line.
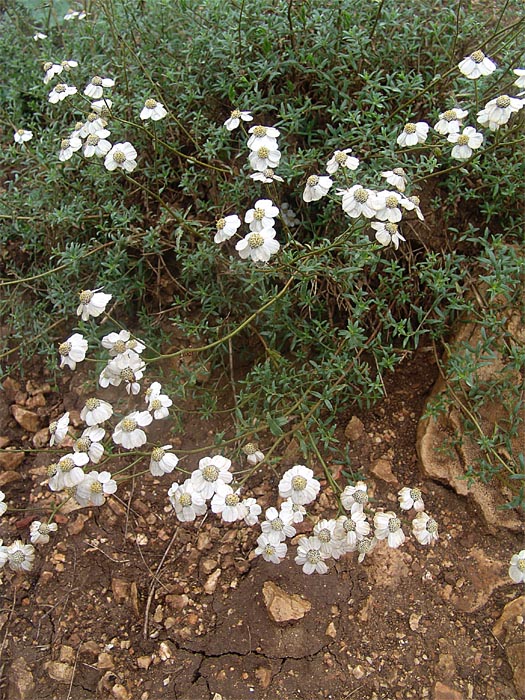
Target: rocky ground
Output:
{"points": [[129, 604]]}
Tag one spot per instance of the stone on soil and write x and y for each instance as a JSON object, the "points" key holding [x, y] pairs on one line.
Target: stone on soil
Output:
{"points": [[283, 606], [26, 419], [21, 685]]}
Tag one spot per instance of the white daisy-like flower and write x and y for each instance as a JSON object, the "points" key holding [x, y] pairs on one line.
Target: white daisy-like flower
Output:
{"points": [[253, 510], [258, 245], [278, 525], [386, 233], [411, 498], [95, 87], [465, 142], [3, 504], [128, 432], [118, 343], [51, 69], [97, 144], [396, 177], [476, 65], [94, 488], [342, 159], [153, 390], [358, 200], [388, 205], [226, 227], [92, 303], [67, 472], [450, 121], [498, 111], [228, 504], [520, 80], [159, 405], [22, 135], [355, 497], [20, 556], [39, 532], [299, 484], [58, 429], [310, 556], [264, 159], [412, 134], [39, 36], [263, 136], [122, 155], [365, 546], [295, 511], [162, 462], [517, 567], [96, 411], [266, 176], [235, 119], [153, 110], [253, 454], [416, 202], [102, 107], [262, 216], [424, 528], [68, 147], [94, 124], [351, 529], [388, 527], [74, 14], [60, 92], [271, 551], [316, 187], [325, 531], [127, 367], [187, 501], [212, 472], [90, 443]]}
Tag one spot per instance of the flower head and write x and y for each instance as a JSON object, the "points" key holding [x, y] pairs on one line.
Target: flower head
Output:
{"points": [[122, 155], [228, 504], [3, 505], [92, 303], [342, 159], [58, 429], [262, 216], [450, 121], [60, 92], [258, 245], [253, 510], [388, 526], [22, 135], [95, 87], [266, 176], [212, 472], [68, 146], [410, 498], [263, 137], [412, 134], [517, 567], [162, 462], [253, 454], [235, 119], [264, 159], [94, 488], [310, 556], [20, 556], [187, 501], [498, 111], [39, 532], [358, 200], [278, 525], [128, 432], [73, 350], [355, 497], [520, 80], [270, 550], [226, 227], [386, 233], [119, 343], [153, 110], [465, 142], [476, 65], [351, 529], [96, 411], [396, 177], [90, 443], [97, 144], [424, 528], [299, 484], [316, 187]]}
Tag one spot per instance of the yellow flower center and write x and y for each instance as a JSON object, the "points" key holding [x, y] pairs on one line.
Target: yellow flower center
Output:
{"points": [[66, 464], [119, 157], [462, 140], [503, 101], [340, 157], [232, 499], [449, 115], [220, 223], [263, 152], [269, 549], [432, 526], [92, 117], [65, 143], [185, 500], [314, 556], [324, 535], [127, 374], [520, 564], [85, 296], [96, 487], [97, 80], [258, 214], [91, 404], [83, 444], [210, 473], [391, 228], [361, 196], [255, 240], [477, 56], [156, 404], [92, 140], [249, 448], [349, 525], [259, 131], [150, 104], [299, 483], [391, 202], [394, 524], [410, 128], [235, 114], [157, 454], [64, 349], [128, 425], [47, 66], [399, 171], [312, 181], [60, 87]]}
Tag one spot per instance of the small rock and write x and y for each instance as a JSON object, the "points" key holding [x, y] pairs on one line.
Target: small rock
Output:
{"points": [[165, 651], [355, 429], [444, 692], [283, 606], [58, 671], [9, 477], [203, 541], [4, 441], [21, 685], [11, 460], [144, 662], [41, 438], [264, 676], [121, 590], [119, 692], [90, 647], [446, 667], [67, 654], [413, 621], [26, 419], [11, 388], [105, 661], [208, 565], [36, 401], [211, 583], [177, 602], [331, 631], [358, 672], [510, 631], [382, 468]]}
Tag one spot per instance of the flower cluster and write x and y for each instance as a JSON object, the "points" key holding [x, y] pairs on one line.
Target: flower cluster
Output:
{"points": [[259, 244]]}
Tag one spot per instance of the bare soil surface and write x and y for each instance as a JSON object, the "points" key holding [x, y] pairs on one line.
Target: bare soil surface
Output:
{"points": [[128, 603]]}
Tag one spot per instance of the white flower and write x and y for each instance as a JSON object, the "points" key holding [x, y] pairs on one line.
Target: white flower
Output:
{"points": [[343, 160], [253, 510], [316, 187], [517, 567], [365, 546], [226, 228], [162, 462], [413, 134], [310, 556], [20, 556], [58, 429], [253, 455], [295, 511], [118, 343], [51, 69], [102, 107], [73, 350], [424, 528], [498, 111], [387, 205], [94, 124], [358, 200], [410, 498], [159, 404], [476, 65], [264, 159], [396, 177], [278, 525], [94, 488], [235, 119], [355, 496], [465, 142], [60, 92], [90, 443], [95, 87], [416, 201], [3, 505], [324, 530], [388, 527], [299, 484], [450, 121], [212, 472], [258, 245], [266, 176], [263, 137], [128, 432], [92, 303], [352, 529], [262, 216], [122, 155], [96, 411], [97, 144], [39, 35], [520, 80], [153, 110], [74, 14], [67, 471], [387, 233], [228, 504], [22, 135], [187, 501], [273, 552], [39, 532], [68, 147]]}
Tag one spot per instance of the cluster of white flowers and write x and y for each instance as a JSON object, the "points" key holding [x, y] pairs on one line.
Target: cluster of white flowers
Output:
{"points": [[259, 244]]}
